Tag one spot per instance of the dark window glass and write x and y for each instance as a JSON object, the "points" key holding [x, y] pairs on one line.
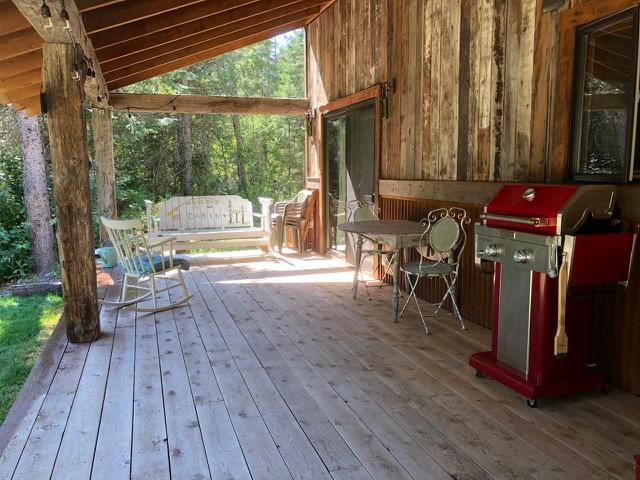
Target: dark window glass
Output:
{"points": [[605, 100]]}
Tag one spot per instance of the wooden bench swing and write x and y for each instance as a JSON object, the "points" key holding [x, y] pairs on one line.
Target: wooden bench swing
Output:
{"points": [[215, 221]]}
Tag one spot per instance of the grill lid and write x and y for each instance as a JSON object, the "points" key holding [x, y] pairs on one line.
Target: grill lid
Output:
{"points": [[548, 209]]}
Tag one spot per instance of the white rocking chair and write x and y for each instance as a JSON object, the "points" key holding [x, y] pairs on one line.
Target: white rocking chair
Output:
{"points": [[141, 266]]}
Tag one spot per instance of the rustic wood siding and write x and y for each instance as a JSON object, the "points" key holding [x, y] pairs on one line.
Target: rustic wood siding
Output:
{"points": [[463, 73]]}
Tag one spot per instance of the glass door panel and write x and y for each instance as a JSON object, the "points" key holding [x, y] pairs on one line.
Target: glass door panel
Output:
{"points": [[350, 147]]}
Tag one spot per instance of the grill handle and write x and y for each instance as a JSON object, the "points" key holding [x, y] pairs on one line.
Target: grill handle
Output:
{"points": [[532, 221]]}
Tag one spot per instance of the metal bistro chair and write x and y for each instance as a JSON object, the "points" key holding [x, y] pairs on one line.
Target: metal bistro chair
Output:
{"points": [[361, 211], [440, 247], [142, 266]]}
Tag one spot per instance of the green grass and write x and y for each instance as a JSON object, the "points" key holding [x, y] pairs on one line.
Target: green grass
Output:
{"points": [[25, 325]]}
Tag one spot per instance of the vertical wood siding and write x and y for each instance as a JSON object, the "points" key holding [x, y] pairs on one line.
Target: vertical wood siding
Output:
{"points": [[463, 73]]}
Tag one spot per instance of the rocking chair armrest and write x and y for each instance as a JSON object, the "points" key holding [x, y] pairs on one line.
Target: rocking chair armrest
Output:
{"points": [[162, 242]]}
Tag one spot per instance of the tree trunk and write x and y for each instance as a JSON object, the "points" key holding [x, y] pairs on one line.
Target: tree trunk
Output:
{"points": [[70, 159], [185, 153], [242, 176], [102, 126], [36, 201]]}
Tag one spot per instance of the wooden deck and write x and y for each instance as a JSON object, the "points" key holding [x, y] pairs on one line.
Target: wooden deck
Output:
{"points": [[274, 372]]}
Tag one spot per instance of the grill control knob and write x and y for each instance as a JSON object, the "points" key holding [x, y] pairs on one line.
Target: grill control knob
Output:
{"points": [[491, 250], [521, 256]]}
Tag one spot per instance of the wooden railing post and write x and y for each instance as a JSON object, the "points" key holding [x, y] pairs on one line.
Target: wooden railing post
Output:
{"points": [[63, 75], [102, 128]]}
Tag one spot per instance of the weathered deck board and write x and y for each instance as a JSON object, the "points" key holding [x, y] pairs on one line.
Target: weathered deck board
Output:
{"points": [[273, 371]]}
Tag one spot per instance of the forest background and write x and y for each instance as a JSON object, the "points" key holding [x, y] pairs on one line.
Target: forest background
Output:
{"points": [[161, 155]]}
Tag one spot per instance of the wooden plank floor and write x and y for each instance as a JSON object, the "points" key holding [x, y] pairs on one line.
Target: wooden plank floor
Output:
{"points": [[273, 371]]}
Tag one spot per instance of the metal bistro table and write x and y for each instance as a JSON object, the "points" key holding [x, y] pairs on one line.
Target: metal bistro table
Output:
{"points": [[396, 234]]}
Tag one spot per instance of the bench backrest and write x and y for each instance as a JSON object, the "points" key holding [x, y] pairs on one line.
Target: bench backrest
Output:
{"points": [[202, 212]]}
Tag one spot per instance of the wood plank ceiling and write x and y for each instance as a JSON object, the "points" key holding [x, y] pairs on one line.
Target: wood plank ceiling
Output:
{"points": [[137, 40]]}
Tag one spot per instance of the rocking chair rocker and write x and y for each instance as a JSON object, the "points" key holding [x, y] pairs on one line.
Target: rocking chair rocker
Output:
{"points": [[141, 266]]}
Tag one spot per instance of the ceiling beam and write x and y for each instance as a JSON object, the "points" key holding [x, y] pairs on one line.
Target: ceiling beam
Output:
{"points": [[129, 12], [164, 21], [132, 102], [204, 41], [201, 56], [30, 9], [199, 30]]}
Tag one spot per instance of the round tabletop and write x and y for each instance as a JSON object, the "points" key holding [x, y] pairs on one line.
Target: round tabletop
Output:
{"points": [[383, 227]]}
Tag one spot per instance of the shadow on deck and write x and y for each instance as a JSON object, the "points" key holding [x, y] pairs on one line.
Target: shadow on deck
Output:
{"points": [[273, 371]]}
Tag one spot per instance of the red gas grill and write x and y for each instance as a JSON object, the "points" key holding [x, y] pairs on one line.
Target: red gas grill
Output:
{"points": [[551, 245]]}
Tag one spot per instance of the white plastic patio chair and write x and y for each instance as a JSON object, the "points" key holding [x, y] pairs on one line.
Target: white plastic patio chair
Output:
{"points": [[361, 211], [141, 266], [440, 247]]}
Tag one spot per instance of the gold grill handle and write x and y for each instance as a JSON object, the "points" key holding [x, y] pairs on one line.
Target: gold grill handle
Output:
{"points": [[561, 341]]}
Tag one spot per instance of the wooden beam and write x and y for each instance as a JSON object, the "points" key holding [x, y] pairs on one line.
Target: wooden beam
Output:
{"points": [[444, 190], [134, 102], [102, 128], [190, 56], [129, 12], [203, 41], [95, 88], [164, 21], [70, 161], [198, 31]]}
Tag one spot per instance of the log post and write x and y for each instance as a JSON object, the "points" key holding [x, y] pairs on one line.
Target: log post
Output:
{"points": [[63, 75], [102, 127]]}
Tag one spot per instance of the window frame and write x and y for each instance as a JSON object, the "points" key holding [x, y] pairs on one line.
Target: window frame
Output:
{"points": [[577, 110]]}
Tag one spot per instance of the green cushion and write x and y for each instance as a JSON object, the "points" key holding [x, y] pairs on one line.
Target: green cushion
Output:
{"points": [[157, 263]]}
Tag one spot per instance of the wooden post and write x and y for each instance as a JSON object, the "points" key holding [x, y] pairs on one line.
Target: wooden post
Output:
{"points": [[102, 127], [70, 160]]}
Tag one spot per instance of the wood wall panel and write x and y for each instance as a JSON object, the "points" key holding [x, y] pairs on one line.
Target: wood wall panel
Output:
{"points": [[463, 78]]}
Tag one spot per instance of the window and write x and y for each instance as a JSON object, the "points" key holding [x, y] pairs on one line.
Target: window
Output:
{"points": [[605, 140]]}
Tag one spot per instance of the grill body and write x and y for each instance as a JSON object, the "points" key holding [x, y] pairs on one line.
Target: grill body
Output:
{"points": [[529, 232]]}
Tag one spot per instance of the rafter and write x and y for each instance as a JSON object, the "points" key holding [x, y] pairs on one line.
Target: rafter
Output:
{"points": [[201, 56], [19, 43], [22, 63], [164, 21], [201, 29], [194, 51], [129, 12], [205, 40]]}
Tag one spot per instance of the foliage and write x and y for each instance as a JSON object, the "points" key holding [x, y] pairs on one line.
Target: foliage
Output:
{"points": [[15, 256], [25, 324], [271, 149]]}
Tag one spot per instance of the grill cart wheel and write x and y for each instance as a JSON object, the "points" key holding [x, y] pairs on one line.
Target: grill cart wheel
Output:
{"points": [[479, 374], [532, 402]]}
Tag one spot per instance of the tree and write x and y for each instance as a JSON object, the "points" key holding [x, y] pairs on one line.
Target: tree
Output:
{"points": [[185, 153], [35, 193]]}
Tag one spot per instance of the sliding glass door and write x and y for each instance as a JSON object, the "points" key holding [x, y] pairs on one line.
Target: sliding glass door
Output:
{"points": [[349, 171]]}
